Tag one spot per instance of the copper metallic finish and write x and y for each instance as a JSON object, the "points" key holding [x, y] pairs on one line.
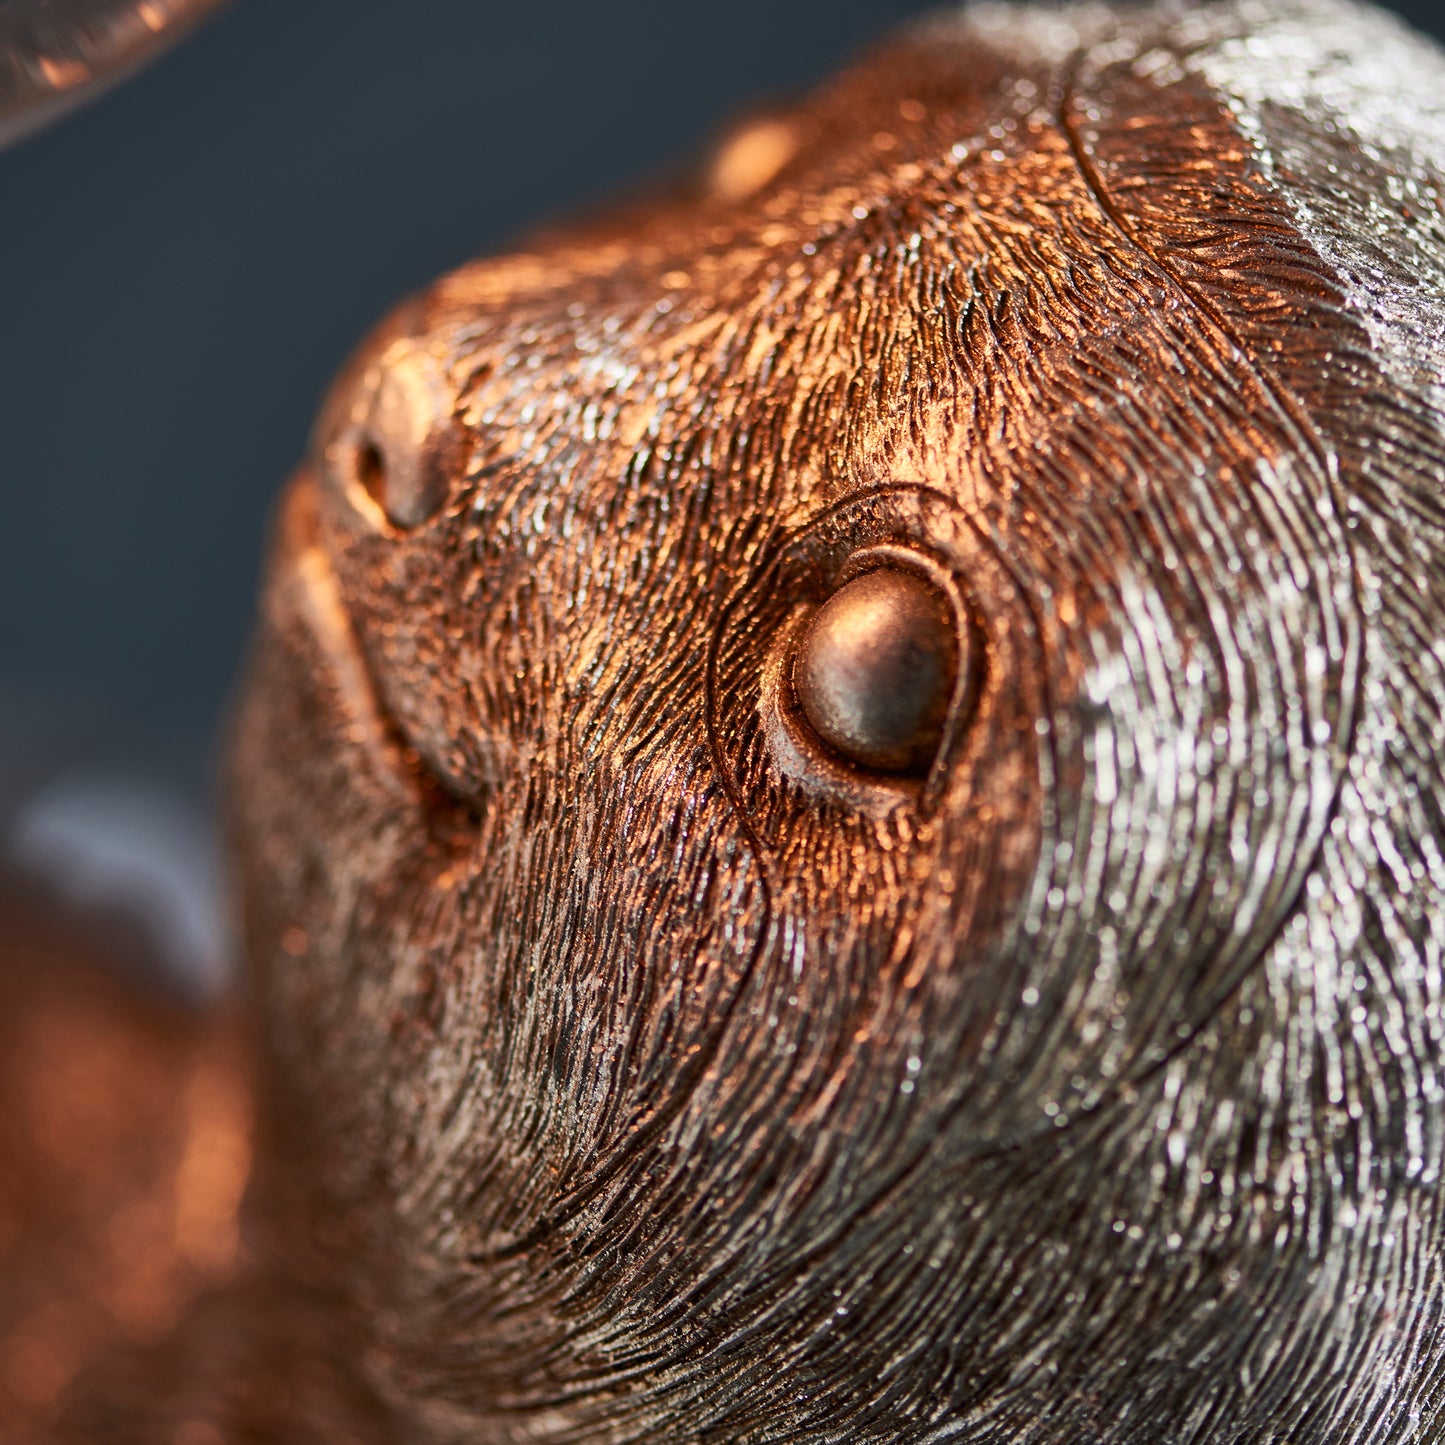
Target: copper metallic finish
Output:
{"points": [[56, 53], [635, 1071], [124, 1150], [390, 438], [876, 670]]}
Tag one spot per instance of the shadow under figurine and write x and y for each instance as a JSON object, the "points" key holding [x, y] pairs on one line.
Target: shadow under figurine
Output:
{"points": [[839, 800]]}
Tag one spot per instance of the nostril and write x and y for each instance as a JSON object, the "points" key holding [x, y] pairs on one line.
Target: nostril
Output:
{"points": [[396, 446], [370, 467]]}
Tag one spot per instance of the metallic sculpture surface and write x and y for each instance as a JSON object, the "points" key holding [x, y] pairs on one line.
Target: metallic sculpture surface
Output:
{"points": [[56, 53], [839, 797]]}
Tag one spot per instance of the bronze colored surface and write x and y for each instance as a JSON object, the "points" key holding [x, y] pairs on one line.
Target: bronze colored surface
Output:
{"points": [[125, 1143], [639, 1068], [877, 669], [56, 53]]}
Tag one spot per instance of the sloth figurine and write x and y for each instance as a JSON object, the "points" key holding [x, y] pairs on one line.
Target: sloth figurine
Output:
{"points": [[838, 806]]}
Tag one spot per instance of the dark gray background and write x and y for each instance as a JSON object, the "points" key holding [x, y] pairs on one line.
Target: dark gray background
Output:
{"points": [[185, 263]]}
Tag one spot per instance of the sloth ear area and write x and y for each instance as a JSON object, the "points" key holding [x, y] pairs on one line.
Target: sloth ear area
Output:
{"points": [[751, 155]]}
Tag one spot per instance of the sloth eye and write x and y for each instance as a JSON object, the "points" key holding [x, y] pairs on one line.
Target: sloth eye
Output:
{"points": [[875, 671]]}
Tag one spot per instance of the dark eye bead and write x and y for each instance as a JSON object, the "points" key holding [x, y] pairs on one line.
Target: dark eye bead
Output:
{"points": [[876, 670]]}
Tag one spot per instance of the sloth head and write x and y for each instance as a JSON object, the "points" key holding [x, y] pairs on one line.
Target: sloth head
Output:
{"points": [[839, 801]]}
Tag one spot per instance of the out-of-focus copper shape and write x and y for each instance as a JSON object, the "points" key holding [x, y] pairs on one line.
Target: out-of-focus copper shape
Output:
{"points": [[56, 53], [125, 1140]]}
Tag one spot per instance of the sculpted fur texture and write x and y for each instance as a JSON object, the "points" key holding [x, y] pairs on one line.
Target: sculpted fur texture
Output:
{"points": [[684, 1021]]}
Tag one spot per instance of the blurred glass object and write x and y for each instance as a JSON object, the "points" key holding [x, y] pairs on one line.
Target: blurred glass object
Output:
{"points": [[56, 53]]}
